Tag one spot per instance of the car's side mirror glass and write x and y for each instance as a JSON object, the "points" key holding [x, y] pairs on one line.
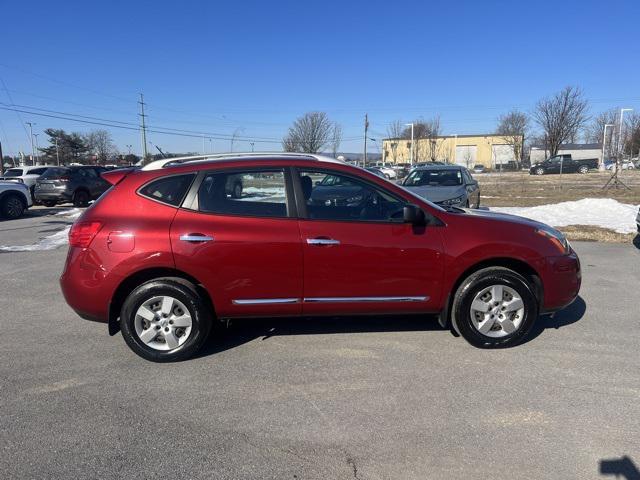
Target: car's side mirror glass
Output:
{"points": [[413, 214]]}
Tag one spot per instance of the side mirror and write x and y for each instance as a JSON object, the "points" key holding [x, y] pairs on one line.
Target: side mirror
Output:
{"points": [[317, 182], [413, 214]]}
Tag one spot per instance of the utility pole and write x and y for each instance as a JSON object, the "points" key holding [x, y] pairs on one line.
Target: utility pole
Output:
{"points": [[1, 161], [366, 131], [129, 147], [252, 144], [33, 152], [143, 130], [57, 152], [37, 156]]}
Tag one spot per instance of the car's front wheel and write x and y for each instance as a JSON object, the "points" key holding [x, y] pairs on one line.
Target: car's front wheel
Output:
{"points": [[81, 198], [539, 171], [494, 308], [164, 321]]}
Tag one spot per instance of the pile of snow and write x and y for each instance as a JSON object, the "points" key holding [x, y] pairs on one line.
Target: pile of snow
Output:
{"points": [[50, 242], [596, 212]]}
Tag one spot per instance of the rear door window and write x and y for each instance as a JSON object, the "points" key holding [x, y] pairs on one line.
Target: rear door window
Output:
{"points": [[170, 190], [254, 194]]}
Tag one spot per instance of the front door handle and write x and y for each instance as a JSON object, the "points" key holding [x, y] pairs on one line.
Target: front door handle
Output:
{"points": [[322, 241], [195, 237]]}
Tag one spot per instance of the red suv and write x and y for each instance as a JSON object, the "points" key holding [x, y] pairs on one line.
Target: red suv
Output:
{"points": [[170, 249]]}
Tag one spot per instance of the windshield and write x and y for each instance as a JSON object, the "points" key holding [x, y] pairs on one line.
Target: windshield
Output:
{"points": [[55, 173], [13, 172], [434, 178]]}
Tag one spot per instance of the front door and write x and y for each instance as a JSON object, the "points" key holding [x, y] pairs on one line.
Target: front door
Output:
{"points": [[359, 256], [242, 242]]}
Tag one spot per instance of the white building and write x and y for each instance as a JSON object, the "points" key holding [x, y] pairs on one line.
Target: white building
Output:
{"points": [[577, 150]]}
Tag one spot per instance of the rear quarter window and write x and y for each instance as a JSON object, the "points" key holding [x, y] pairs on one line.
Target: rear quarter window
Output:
{"points": [[170, 190]]}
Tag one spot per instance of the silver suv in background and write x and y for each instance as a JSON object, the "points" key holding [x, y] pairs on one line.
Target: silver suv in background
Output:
{"points": [[27, 174], [445, 185]]}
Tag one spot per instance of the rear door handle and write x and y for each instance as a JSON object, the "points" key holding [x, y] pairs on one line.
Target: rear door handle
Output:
{"points": [[322, 241], [195, 237]]}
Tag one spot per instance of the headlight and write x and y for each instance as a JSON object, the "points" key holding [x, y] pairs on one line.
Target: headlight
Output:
{"points": [[452, 201], [556, 237]]}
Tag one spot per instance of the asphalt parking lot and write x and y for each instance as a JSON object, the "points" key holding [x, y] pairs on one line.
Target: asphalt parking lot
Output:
{"points": [[364, 398]]}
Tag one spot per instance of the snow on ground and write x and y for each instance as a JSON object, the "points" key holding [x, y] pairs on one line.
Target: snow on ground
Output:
{"points": [[71, 214], [50, 242], [597, 212]]}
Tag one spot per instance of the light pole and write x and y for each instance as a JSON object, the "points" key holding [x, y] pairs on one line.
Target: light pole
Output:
{"points": [[411, 153], [252, 144], [604, 141], [455, 148], [620, 146], [33, 154], [37, 156]]}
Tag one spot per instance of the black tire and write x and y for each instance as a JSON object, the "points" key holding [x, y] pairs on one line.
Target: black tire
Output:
{"points": [[81, 198], [472, 286], [583, 169], [539, 171], [201, 318], [12, 207], [49, 203], [237, 190]]}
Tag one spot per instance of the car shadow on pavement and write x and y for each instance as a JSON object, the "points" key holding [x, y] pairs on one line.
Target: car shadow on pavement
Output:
{"points": [[622, 467], [562, 318], [245, 330]]}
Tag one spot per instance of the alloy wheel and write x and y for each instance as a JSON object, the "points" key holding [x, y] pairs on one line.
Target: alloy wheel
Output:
{"points": [[163, 323], [13, 207], [497, 311]]}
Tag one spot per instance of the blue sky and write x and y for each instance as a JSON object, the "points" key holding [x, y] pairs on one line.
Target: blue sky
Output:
{"points": [[252, 67]]}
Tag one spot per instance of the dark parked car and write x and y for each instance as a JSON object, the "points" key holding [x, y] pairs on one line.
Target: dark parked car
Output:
{"points": [[77, 184], [479, 168], [563, 164], [447, 185], [184, 254]]}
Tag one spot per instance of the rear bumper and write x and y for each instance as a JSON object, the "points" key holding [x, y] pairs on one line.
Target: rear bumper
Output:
{"points": [[562, 281], [86, 286], [52, 196]]}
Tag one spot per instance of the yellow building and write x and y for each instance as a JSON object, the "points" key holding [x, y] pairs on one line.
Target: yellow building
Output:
{"points": [[490, 150]]}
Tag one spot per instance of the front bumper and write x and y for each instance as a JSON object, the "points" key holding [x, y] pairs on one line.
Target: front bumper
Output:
{"points": [[562, 282]]}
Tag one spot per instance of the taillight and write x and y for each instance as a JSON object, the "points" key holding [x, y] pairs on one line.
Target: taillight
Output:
{"points": [[63, 179], [82, 233]]}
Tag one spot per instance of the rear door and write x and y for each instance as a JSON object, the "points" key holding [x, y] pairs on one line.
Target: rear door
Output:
{"points": [[244, 247]]}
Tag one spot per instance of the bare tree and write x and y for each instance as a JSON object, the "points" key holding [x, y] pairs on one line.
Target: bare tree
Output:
{"points": [[594, 131], [561, 117], [631, 137], [309, 133], [336, 138], [426, 134], [395, 133], [513, 127], [100, 144]]}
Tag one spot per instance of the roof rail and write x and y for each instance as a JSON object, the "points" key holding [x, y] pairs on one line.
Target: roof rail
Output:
{"points": [[170, 162]]}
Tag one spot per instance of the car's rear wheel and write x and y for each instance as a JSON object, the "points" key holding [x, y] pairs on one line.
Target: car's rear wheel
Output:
{"points": [[81, 198], [583, 169], [164, 321], [539, 171], [12, 207], [494, 308]]}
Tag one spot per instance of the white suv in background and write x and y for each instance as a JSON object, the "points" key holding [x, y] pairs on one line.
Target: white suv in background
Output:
{"points": [[15, 198], [25, 174]]}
